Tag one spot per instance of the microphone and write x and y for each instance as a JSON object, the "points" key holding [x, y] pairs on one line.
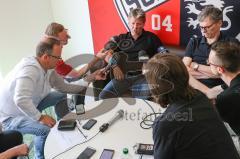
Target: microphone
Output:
{"points": [[115, 39], [143, 56], [112, 44], [116, 117], [162, 50], [112, 62], [107, 68]]}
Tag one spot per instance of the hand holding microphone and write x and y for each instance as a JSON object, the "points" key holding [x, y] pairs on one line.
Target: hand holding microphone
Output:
{"points": [[112, 44]]}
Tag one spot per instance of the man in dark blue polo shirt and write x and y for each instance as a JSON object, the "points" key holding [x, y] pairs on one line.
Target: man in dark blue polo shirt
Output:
{"points": [[197, 51]]}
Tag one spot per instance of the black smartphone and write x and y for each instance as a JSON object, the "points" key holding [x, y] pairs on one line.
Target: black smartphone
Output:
{"points": [[80, 109], [107, 154], [89, 124], [87, 153]]}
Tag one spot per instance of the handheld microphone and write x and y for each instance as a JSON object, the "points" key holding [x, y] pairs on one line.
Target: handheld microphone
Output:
{"points": [[112, 44], [116, 117], [115, 39], [162, 50], [143, 56], [112, 62], [107, 68]]}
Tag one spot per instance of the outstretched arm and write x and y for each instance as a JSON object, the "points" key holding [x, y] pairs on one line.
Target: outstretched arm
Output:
{"points": [[99, 56], [20, 150], [211, 93]]}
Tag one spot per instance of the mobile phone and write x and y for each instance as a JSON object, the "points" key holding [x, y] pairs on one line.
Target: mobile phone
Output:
{"points": [[89, 124], [87, 153], [80, 109], [107, 154]]}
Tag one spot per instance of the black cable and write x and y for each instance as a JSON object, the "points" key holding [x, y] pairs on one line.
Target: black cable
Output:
{"points": [[81, 132], [70, 148], [150, 107], [143, 123]]}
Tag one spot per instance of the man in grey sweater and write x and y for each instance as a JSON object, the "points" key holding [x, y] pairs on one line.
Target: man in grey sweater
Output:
{"points": [[27, 90]]}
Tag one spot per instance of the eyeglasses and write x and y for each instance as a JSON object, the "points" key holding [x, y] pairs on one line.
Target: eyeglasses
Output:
{"points": [[209, 63], [56, 57], [206, 27]]}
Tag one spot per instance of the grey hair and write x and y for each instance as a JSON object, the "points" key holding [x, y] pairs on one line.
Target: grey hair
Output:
{"points": [[212, 12], [137, 13], [46, 46]]}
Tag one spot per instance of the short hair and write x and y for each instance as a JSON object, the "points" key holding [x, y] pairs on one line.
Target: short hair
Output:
{"points": [[53, 29], [137, 13], [168, 79], [228, 54], [212, 12], [46, 46]]}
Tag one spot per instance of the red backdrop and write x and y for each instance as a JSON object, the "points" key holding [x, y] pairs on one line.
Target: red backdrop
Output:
{"points": [[174, 21], [106, 20]]}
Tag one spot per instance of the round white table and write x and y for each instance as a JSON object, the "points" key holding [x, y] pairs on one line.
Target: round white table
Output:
{"points": [[124, 133]]}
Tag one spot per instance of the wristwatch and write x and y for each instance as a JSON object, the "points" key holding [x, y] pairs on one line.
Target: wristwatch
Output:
{"points": [[196, 66]]}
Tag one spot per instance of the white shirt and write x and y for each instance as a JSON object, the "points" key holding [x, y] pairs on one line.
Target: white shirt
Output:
{"points": [[26, 85], [23, 89]]}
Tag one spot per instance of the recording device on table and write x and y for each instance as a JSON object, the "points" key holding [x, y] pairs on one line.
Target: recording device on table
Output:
{"points": [[87, 153], [66, 125], [89, 124], [143, 149], [107, 154], [116, 117]]}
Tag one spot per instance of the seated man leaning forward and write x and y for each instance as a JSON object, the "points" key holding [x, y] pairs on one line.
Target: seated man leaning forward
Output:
{"points": [[134, 43], [224, 60], [26, 91], [190, 127]]}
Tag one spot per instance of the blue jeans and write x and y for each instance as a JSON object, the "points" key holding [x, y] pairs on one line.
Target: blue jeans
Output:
{"points": [[136, 84], [26, 125]]}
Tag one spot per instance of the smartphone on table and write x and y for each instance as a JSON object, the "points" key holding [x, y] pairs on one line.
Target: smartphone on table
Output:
{"points": [[107, 154], [87, 153], [89, 124], [80, 109]]}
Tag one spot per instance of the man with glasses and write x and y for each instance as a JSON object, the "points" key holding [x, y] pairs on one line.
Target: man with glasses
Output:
{"points": [[26, 91], [197, 51], [224, 61]]}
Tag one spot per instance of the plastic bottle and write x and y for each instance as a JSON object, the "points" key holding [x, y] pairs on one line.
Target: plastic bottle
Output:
{"points": [[125, 154]]}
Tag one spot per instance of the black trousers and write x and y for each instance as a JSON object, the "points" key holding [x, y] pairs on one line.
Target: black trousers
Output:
{"points": [[9, 139]]}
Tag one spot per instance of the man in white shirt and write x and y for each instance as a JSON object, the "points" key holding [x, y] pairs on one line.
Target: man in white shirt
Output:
{"points": [[28, 87]]}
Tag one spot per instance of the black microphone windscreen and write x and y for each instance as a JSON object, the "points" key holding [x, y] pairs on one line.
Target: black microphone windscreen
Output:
{"points": [[110, 45], [115, 39]]}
